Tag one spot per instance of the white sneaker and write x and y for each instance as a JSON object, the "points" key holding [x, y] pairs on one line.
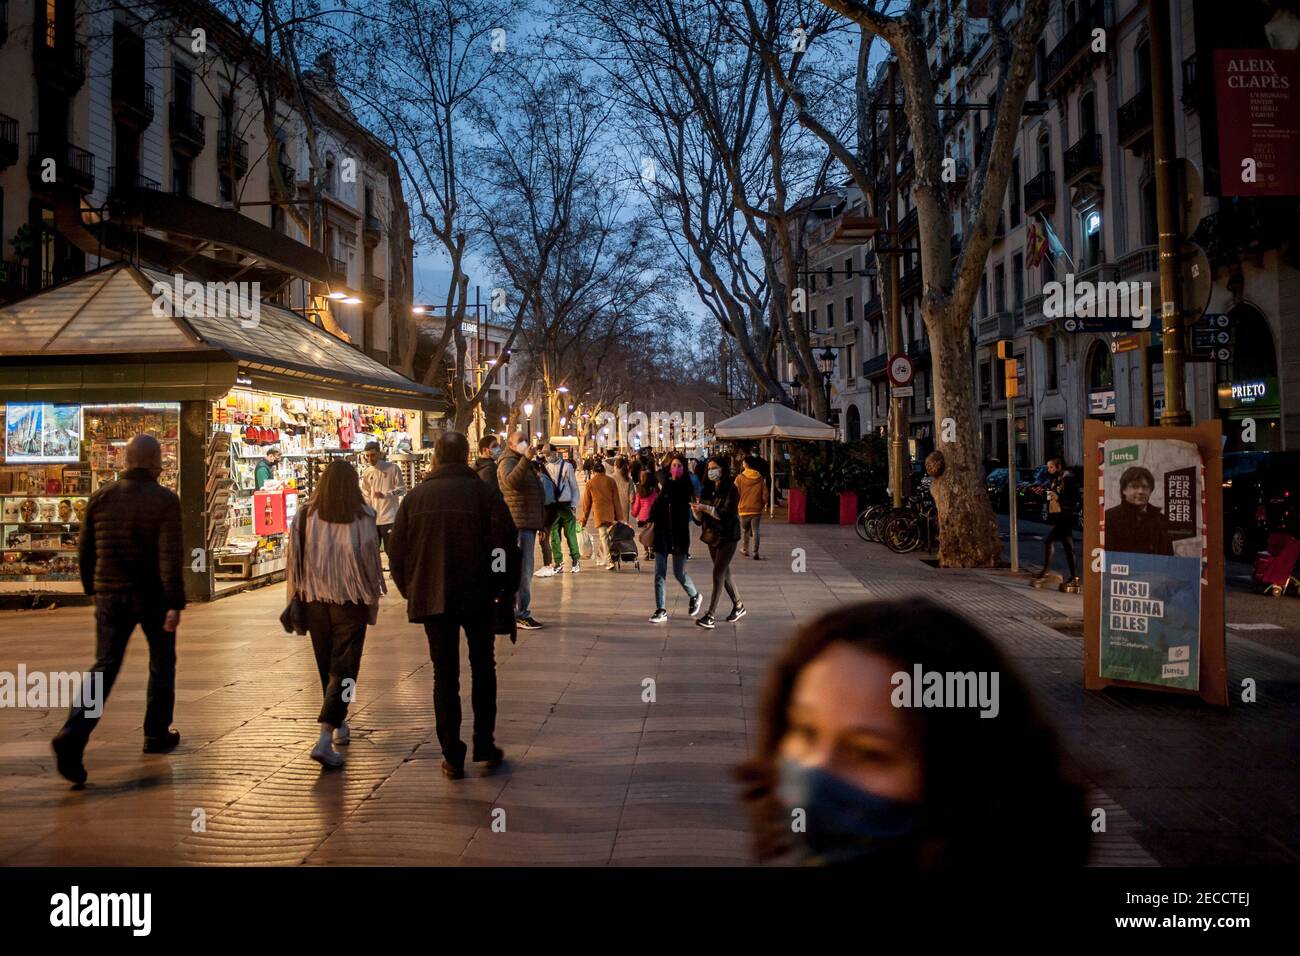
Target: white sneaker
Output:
{"points": [[576, 567], [547, 572], [342, 735], [328, 758]]}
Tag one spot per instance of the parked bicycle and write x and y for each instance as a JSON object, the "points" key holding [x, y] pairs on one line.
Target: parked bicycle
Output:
{"points": [[872, 520], [903, 529]]}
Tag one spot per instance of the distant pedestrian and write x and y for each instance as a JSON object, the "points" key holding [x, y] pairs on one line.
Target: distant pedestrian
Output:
{"points": [[523, 492], [565, 479], [547, 569], [601, 503], [721, 534], [643, 501], [454, 558], [622, 476], [485, 465], [131, 560], [753, 501], [1063, 500], [265, 470], [332, 564], [673, 524], [382, 487], [886, 782]]}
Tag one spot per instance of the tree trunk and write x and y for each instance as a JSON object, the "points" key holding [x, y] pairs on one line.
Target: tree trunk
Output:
{"points": [[968, 529]]}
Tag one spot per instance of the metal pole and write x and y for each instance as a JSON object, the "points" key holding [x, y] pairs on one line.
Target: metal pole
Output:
{"points": [[1011, 482], [897, 414], [1167, 206]]}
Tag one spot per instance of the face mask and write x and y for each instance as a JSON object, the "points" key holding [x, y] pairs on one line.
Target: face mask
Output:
{"points": [[715, 474], [676, 471], [844, 823], [495, 451]]}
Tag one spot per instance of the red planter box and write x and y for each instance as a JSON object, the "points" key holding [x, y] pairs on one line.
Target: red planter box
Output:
{"points": [[798, 511], [848, 507]]}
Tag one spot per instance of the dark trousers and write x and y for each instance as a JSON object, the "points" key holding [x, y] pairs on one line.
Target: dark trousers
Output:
{"points": [[385, 532], [116, 617], [443, 631], [1062, 531], [338, 633], [722, 555]]}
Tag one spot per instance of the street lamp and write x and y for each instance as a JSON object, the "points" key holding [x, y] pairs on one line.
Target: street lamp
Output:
{"points": [[528, 417], [826, 361]]}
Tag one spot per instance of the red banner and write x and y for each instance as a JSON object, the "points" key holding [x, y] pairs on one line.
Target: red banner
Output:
{"points": [[1258, 97]]}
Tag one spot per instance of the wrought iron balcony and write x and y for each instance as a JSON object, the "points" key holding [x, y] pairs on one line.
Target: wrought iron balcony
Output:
{"points": [[875, 366], [1244, 226], [376, 287], [994, 326], [1040, 193], [339, 268], [908, 223], [8, 141], [371, 229], [62, 66], [1072, 55], [288, 176], [232, 153], [132, 101], [74, 167], [1135, 120], [906, 165], [186, 127], [1083, 158], [872, 310], [119, 186]]}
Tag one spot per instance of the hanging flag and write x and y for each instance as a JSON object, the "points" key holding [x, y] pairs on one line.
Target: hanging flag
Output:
{"points": [[1054, 244], [1035, 243]]}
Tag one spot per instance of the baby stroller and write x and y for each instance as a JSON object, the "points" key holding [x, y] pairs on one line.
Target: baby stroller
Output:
{"points": [[1275, 568], [623, 547]]}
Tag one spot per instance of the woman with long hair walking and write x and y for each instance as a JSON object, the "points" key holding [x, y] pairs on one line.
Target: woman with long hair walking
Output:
{"points": [[333, 569], [672, 519], [718, 512]]}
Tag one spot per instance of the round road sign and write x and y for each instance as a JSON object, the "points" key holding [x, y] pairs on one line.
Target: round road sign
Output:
{"points": [[900, 369]]}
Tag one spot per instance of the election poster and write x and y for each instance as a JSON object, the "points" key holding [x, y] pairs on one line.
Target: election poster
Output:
{"points": [[1153, 541]]}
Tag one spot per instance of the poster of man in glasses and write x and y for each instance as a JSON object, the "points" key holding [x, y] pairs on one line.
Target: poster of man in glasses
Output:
{"points": [[1153, 537]]}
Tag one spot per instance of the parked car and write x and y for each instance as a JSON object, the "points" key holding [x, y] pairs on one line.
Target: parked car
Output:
{"points": [[996, 485], [1260, 492], [1031, 493]]}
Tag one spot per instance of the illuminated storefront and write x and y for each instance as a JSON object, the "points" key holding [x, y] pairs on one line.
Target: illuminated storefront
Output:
{"points": [[89, 364]]}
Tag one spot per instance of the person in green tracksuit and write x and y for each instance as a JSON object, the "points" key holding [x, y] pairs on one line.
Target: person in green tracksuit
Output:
{"points": [[564, 479]]}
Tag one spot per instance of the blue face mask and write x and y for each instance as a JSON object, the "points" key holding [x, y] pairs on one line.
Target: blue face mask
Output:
{"points": [[844, 823]]}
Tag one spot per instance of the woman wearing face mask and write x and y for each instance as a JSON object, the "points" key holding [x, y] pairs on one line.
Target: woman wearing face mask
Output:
{"points": [[722, 534], [672, 518], [881, 780]]}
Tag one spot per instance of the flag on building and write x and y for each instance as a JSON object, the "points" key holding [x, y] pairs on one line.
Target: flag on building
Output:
{"points": [[1035, 244]]}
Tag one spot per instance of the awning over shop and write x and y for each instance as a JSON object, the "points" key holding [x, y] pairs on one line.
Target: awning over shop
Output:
{"points": [[120, 334]]}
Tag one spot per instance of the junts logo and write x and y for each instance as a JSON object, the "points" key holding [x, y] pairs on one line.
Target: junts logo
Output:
{"points": [[653, 430], [219, 300], [1095, 300], [53, 690]]}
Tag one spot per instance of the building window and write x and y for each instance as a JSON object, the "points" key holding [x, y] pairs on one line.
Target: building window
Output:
{"points": [[180, 175], [830, 315], [986, 383], [848, 268], [830, 276], [1090, 234], [1000, 288], [848, 311], [1018, 278], [984, 298], [1053, 383]]}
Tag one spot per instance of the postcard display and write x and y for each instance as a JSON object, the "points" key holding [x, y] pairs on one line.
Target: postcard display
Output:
{"points": [[55, 457], [247, 524]]}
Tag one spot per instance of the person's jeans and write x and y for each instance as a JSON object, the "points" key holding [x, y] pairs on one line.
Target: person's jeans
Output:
{"points": [[385, 532], [443, 632], [116, 617], [722, 555], [748, 524], [567, 523], [527, 544], [338, 633], [679, 572]]}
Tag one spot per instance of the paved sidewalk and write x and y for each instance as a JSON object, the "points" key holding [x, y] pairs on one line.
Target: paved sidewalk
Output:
{"points": [[595, 775]]}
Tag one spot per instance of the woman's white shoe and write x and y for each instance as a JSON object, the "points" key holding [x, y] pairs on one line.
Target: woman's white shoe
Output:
{"points": [[327, 758], [342, 735]]}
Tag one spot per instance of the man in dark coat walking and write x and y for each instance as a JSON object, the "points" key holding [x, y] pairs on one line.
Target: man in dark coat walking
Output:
{"points": [[131, 562], [526, 500], [453, 557]]}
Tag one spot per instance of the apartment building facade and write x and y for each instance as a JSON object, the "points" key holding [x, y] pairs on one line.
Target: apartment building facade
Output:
{"points": [[141, 125], [1083, 164]]}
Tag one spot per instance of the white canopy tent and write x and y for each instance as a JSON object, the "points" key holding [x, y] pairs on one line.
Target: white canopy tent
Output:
{"points": [[773, 421]]}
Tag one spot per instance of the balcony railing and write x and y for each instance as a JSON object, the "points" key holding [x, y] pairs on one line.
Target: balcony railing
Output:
{"points": [[120, 185], [133, 100], [996, 325], [908, 223], [1040, 193], [8, 141], [186, 127], [15, 279], [339, 268], [1075, 45], [875, 366], [1243, 225], [911, 281], [235, 158], [371, 229], [1082, 158], [376, 287], [74, 167], [1135, 119], [872, 310], [62, 65], [1144, 261]]}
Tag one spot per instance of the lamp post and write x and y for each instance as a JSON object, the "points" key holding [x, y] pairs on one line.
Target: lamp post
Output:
{"points": [[528, 419]]}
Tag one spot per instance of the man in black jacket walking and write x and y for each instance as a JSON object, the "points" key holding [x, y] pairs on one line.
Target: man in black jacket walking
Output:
{"points": [[454, 557], [131, 562]]}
